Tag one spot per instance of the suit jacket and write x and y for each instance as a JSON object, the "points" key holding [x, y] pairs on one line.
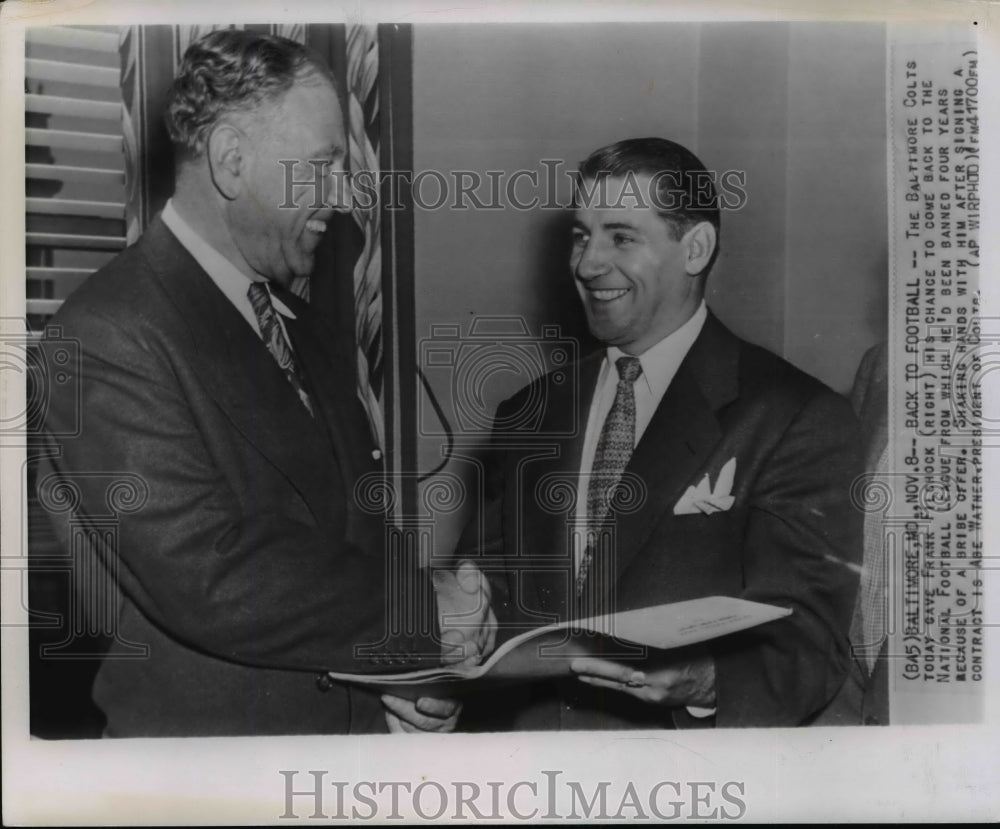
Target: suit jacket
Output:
{"points": [[789, 539], [250, 569]]}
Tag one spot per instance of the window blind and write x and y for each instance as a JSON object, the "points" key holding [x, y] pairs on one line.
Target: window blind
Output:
{"points": [[75, 167], [75, 206]]}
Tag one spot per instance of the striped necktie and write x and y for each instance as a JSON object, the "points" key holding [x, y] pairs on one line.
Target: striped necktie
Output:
{"points": [[274, 338], [614, 448]]}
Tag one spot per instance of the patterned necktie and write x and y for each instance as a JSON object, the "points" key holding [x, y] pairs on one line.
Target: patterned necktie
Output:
{"points": [[614, 448], [274, 338]]}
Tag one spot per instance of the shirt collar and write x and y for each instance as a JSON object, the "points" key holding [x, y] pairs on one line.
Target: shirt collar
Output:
{"points": [[227, 277], [660, 363]]}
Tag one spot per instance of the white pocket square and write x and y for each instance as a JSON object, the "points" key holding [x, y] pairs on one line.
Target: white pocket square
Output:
{"points": [[702, 498]]}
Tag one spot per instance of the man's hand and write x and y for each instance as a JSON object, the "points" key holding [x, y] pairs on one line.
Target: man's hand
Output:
{"points": [[468, 624], [688, 683], [427, 714]]}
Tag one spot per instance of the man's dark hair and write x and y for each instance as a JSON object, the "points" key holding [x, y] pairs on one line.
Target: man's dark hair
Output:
{"points": [[684, 192], [231, 70]]}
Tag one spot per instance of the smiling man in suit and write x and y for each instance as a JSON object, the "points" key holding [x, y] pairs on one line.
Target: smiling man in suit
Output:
{"points": [[701, 464], [250, 569]]}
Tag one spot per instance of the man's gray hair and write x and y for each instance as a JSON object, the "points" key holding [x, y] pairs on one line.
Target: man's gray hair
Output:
{"points": [[232, 70]]}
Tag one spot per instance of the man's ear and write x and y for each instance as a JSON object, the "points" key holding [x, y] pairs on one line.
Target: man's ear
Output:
{"points": [[699, 242], [226, 152]]}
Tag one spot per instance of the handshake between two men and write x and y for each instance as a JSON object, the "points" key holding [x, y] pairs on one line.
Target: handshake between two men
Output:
{"points": [[468, 628]]}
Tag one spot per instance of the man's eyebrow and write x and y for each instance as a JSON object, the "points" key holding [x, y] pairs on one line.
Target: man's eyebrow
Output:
{"points": [[618, 225]]}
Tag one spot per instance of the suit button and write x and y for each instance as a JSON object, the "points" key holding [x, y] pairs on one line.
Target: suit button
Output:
{"points": [[324, 683], [376, 454]]}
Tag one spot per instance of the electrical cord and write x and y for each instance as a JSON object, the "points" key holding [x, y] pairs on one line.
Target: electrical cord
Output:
{"points": [[449, 434]]}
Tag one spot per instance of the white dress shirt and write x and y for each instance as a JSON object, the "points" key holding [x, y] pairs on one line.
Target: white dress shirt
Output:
{"points": [[227, 277]]}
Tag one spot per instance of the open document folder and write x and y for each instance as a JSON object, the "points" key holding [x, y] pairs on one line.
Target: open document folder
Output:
{"points": [[546, 652]]}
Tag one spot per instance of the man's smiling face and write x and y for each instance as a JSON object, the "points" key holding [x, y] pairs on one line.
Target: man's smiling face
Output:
{"points": [[278, 239], [631, 272]]}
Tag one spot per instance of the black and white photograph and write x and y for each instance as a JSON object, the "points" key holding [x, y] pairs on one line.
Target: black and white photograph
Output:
{"points": [[450, 415]]}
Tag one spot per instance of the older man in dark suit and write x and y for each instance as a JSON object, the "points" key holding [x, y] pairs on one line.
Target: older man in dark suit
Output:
{"points": [[250, 570], [732, 467]]}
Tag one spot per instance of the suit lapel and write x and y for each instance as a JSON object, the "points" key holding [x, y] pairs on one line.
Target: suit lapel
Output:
{"points": [[240, 374], [679, 439]]}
